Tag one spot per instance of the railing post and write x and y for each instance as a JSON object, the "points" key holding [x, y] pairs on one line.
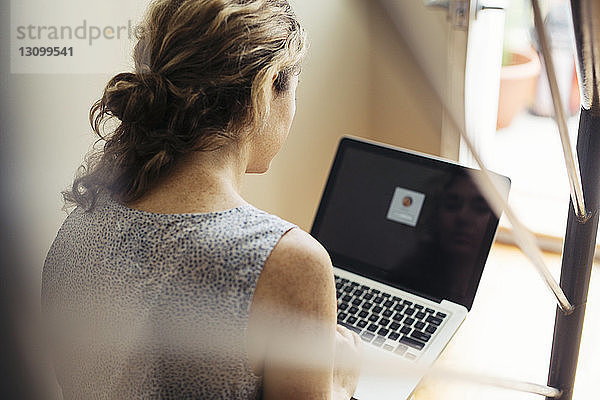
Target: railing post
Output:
{"points": [[578, 257]]}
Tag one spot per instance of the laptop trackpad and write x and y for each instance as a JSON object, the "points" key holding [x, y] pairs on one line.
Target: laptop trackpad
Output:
{"points": [[386, 376]]}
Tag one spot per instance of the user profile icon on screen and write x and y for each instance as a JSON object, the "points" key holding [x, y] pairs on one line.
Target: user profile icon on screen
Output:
{"points": [[406, 206]]}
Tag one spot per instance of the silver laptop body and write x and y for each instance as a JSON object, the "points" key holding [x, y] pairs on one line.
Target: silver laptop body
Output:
{"points": [[408, 235]]}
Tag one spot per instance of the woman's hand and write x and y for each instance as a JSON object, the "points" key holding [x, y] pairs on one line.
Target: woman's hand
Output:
{"points": [[346, 368]]}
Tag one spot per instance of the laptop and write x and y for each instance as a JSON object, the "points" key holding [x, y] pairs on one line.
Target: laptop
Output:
{"points": [[408, 235]]}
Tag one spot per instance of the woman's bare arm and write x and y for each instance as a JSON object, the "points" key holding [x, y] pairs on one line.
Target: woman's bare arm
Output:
{"points": [[292, 327]]}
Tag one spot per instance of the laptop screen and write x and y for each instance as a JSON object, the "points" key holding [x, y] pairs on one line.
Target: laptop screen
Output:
{"points": [[413, 222]]}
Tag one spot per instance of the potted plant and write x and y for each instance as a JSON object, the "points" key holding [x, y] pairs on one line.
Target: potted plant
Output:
{"points": [[518, 80]]}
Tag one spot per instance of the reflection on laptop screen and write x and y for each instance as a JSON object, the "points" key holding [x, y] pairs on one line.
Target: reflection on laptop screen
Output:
{"points": [[409, 221]]}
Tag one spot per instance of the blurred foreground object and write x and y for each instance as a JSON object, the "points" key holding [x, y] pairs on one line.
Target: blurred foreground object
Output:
{"points": [[560, 32]]}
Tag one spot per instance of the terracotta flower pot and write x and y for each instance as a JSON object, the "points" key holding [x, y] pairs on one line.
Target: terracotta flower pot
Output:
{"points": [[518, 82], [574, 98]]}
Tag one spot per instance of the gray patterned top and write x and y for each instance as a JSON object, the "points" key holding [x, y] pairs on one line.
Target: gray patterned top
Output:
{"points": [[147, 305]]}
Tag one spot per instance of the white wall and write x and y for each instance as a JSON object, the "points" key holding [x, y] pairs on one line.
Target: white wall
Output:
{"points": [[405, 109], [50, 133]]}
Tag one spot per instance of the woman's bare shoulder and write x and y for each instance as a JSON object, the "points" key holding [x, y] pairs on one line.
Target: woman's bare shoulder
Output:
{"points": [[299, 259], [297, 275], [297, 244]]}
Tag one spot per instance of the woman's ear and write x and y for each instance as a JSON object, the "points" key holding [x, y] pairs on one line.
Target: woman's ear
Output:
{"points": [[280, 81]]}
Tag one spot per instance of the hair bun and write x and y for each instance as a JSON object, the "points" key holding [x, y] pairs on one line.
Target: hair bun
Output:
{"points": [[137, 98]]}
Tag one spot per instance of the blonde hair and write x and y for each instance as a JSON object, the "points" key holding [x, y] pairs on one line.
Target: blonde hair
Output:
{"points": [[203, 71]]}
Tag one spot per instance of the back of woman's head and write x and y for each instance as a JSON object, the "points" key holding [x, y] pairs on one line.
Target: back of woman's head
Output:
{"points": [[203, 73]]}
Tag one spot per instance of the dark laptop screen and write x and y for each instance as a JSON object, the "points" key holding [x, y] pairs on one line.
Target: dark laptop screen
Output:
{"points": [[413, 222]]}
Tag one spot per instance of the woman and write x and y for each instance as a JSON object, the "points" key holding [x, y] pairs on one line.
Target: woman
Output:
{"points": [[164, 282]]}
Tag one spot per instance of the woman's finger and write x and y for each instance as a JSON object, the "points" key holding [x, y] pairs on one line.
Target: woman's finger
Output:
{"points": [[345, 332]]}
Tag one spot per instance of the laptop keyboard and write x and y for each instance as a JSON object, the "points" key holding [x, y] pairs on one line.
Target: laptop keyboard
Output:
{"points": [[386, 321]]}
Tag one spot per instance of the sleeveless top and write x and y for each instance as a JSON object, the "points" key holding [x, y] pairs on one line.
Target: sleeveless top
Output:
{"points": [[146, 305]]}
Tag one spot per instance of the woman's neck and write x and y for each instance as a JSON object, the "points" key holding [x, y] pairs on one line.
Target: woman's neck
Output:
{"points": [[200, 182]]}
